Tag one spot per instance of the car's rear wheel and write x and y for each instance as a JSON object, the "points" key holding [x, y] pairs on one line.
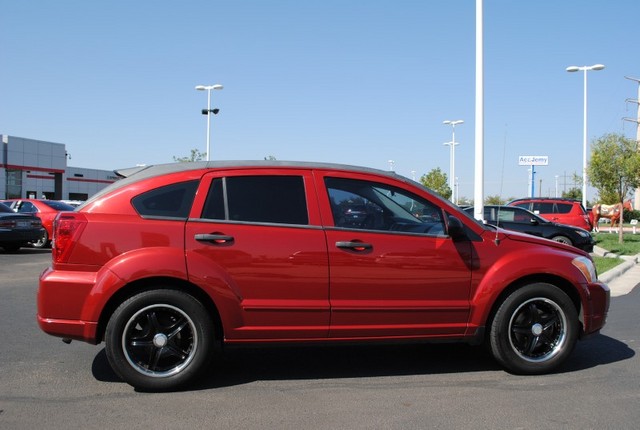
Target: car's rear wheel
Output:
{"points": [[160, 340], [534, 330], [43, 242], [562, 239]]}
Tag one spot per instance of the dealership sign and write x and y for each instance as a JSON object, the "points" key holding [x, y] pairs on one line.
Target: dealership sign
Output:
{"points": [[533, 160]]}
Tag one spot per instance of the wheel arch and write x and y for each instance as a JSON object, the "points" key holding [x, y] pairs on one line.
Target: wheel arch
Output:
{"points": [[158, 283], [557, 281]]}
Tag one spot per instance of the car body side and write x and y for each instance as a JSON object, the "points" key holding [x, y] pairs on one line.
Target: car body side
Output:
{"points": [[317, 297]]}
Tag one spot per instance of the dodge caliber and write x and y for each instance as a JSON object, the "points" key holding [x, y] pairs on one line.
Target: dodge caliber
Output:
{"points": [[173, 262]]}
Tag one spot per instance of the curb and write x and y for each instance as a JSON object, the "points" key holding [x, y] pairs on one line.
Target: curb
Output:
{"points": [[620, 269]]}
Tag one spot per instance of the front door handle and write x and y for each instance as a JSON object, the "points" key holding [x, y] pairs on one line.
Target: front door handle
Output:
{"points": [[354, 246], [213, 238]]}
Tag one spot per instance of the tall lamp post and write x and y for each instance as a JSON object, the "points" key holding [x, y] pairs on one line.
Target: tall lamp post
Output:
{"points": [[585, 69], [452, 157], [208, 111]]}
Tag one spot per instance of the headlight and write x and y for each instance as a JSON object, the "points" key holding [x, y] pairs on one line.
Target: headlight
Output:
{"points": [[582, 233], [586, 267]]}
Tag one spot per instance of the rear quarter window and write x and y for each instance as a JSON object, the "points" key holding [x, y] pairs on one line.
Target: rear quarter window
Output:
{"points": [[170, 201]]}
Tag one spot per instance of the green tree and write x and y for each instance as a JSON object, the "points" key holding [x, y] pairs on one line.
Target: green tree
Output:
{"points": [[436, 180], [494, 200], [614, 168], [575, 192], [196, 155]]}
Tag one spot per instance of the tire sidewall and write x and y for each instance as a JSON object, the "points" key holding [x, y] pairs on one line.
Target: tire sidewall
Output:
{"points": [[499, 337], [563, 239], [203, 327]]}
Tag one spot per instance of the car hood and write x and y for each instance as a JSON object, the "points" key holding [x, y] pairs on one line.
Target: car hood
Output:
{"points": [[524, 237]]}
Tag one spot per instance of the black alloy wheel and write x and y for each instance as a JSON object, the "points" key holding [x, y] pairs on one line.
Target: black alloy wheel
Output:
{"points": [[534, 330], [160, 340]]}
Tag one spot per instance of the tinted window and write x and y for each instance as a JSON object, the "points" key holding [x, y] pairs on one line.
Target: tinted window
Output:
{"points": [[543, 208], [27, 207], [563, 208], [271, 199], [373, 206], [173, 201], [59, 206]]}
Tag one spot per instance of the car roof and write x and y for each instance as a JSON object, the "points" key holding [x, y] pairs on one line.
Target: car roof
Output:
{"points": [[161, 169], [134, 174]]}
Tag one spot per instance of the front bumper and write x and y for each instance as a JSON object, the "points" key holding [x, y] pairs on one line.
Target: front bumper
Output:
{"points": [[596, 309]]}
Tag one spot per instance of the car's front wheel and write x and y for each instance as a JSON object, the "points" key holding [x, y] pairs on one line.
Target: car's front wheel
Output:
{"points": [[562, 239], [160, 340], [534, 329]]}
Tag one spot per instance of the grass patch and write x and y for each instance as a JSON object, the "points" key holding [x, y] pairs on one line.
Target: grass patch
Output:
{"points": [[609, 241], [603, 263]]}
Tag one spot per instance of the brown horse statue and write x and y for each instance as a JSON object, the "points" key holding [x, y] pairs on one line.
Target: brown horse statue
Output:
{"points": [[613, 212]]}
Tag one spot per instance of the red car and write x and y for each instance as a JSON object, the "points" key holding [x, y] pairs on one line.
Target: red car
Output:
{"points": [[558, 210], [174, 261], [46, 210]]}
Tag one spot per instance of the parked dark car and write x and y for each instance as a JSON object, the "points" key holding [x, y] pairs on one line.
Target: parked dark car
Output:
{"points": [[17, 230], [46, 210], [173, 262], [518, 219]]}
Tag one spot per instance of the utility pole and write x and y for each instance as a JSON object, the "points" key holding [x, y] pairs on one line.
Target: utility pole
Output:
{"points": [[636, 200]]}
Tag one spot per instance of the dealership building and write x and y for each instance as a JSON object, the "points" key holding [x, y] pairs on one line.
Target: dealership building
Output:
{"points": [[38, 169]]}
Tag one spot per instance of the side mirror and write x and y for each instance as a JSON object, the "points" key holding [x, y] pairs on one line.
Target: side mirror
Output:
{"points": [[533, 221], [455, 228]]}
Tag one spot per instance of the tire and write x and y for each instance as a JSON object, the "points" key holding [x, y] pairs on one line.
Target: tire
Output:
{"points": [[563, 239], [43, 242], [534, 330], [160, 340]]}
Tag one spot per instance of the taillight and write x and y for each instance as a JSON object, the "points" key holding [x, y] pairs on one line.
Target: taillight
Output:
{"points": [[67, 228]]}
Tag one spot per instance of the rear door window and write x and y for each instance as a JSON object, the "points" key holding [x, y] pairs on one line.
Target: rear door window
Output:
{"points": [[543, 207], [261, 199]]}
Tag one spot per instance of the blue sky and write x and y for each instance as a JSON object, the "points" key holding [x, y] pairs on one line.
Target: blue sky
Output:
{"points": [[347, 81]]}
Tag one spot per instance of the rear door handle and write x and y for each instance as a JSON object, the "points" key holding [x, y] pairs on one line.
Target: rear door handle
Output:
{"points": [[354, 246], [213, 238]]}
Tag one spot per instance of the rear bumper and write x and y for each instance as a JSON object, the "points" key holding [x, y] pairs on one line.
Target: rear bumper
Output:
{"points": [[70, 329], [65, 305]]}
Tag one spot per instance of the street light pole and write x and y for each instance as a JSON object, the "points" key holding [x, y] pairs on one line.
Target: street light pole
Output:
{"points": [[584, 126], [636, 200], [452, 156], [209, 111]]}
